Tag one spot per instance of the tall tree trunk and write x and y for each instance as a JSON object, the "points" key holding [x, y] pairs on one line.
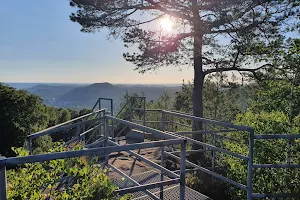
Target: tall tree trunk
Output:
{"points": [[198, 70], [198, 80], [198, 89]]}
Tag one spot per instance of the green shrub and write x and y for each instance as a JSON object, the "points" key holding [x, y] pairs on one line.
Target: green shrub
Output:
{"points": [[75, 178]]}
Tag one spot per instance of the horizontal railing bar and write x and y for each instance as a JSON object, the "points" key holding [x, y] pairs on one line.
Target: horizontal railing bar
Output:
{"points": [[132, 180], [196, 169], [193, 151], [176, 111], [202, 132], [153, 164], [210, 172], [62, 125], [109, 99], [86, 152], [276, 136], [214, 147], [205, 131], [153, 110], [148, 186], [96, 143], [135, 120], [276, 166], [274, 195], [144, 128], [224, 124]]}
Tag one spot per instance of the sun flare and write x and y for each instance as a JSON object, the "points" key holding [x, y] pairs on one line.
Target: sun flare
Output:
{"points": [[166, 24]]}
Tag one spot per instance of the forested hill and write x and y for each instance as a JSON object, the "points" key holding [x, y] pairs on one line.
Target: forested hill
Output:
{"points": [[50, 92], [89, 94], [84, 96]]}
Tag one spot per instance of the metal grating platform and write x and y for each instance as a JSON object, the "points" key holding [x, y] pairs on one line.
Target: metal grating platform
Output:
{"points": [[171, 192]]}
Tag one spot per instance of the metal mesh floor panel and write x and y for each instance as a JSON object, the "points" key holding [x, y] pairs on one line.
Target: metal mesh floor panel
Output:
{"points": [[170, 192]]}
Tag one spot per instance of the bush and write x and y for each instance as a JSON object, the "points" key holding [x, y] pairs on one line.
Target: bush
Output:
{"points": [[76, 178], [265, 152]]}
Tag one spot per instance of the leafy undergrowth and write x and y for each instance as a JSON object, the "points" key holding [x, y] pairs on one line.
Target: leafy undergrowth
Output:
{"points": [[75, 178]]}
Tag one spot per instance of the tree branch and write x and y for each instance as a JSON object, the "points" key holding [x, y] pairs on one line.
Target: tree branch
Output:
{"points": [[169, 12], [235, 68]]}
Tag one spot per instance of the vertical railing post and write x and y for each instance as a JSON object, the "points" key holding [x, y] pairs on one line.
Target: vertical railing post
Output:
{"points": [[161, 194], [162, 120], [3, 181], [99, 103], [112, 114], [83, 130], [112, 107], [28, 145], [288, 160], [106, 130], [205, 133], [78, 132], [173, 123], [214, 152], [144, 112], [213, 159], [250, 166], [182, 169]]}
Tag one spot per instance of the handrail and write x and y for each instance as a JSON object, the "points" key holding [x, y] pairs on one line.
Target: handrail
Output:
{"points": [[54, 128], [213, 147], [276, 136], [224, 124], [143, 128], [11, 161]]}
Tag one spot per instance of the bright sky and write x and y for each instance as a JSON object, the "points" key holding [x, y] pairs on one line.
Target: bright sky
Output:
{"points": [[38, 43]]}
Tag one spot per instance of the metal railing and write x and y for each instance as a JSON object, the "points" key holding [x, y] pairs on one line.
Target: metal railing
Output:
{"points": [[171, 128], [169, 123], [108, 146]]}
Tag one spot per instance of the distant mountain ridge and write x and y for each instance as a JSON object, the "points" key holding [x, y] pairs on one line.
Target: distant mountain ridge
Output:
{"points": [[84, 96], [50, 92]]}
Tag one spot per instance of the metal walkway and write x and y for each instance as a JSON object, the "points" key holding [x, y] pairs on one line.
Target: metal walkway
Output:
{"points": [[170, 192]]}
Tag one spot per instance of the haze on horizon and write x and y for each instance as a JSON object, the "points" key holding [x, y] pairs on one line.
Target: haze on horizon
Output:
{"points": [[40, 44]]}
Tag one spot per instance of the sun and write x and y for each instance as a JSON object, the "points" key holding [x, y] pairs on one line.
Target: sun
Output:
{"points": [[166, 24]]}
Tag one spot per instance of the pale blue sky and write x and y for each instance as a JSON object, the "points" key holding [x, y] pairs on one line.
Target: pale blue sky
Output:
{"points": [[38, 43]]}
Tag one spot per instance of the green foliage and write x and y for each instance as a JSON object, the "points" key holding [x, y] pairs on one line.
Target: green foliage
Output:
{"points": [[276, 95], [76, 178], [64, 115], [164, 101], [42, 144], [183, 98], [221, 101], [265, 152], [20, 114], [281, 90]]}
